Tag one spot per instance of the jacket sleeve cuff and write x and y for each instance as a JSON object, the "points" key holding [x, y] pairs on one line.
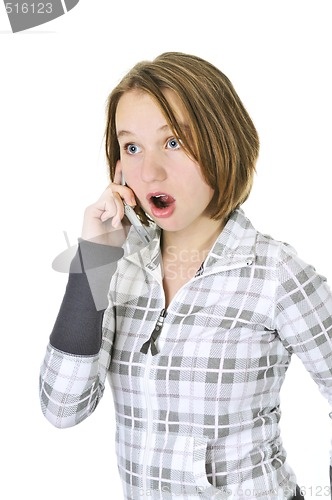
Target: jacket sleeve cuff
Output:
{"points": [[77, 329]]}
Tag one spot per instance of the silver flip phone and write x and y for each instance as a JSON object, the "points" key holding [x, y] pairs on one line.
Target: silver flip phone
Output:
{"points": [[134, 220], [142, 232]]}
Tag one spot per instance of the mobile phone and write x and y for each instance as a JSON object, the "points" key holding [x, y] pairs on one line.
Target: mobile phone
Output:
{"points": [[134, 220]]}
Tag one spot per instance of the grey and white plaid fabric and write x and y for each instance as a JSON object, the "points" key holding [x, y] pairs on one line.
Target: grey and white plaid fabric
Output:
{"points": [[200, 418]]}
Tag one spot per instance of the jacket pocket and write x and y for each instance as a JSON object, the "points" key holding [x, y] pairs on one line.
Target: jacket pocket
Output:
{"points": [[204, 488], [172, 467]]}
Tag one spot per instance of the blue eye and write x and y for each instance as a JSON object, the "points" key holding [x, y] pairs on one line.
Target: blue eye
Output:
{"points": [[173, 144], [132, 149]]}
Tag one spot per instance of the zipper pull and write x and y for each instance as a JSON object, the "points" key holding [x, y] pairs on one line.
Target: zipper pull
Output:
{"points": [[154, 335]]}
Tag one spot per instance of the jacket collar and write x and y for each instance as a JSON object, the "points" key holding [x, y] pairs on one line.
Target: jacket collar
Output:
{"points": [[236, 243], [235, 246]]}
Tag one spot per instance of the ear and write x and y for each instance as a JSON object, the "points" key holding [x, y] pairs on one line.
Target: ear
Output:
{"points": [[118, 178]]}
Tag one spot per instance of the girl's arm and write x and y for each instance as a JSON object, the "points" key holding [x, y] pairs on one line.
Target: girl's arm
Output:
{"points": [[304, 317], [73, 373]]}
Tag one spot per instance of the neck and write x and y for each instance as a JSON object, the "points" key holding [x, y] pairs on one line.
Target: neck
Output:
{"points": [[197, 242]]}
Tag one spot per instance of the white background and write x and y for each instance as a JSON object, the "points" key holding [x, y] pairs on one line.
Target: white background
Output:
{"points": [[53, 86]]}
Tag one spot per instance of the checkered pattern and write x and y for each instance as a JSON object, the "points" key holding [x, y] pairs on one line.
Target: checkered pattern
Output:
{"points": [[200, 418]]}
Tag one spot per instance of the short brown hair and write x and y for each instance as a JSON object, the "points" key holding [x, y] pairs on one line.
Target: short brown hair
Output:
{"points": [[222, 139]]}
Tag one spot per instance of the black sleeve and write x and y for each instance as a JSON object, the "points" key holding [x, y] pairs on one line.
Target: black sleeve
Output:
{"points": [[77, 329]]}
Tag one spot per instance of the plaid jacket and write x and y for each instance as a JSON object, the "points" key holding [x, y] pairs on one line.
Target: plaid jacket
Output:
{"points": [[197, 412]]}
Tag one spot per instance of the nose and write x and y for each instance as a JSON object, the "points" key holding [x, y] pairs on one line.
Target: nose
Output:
{"points": [[152, 168]]}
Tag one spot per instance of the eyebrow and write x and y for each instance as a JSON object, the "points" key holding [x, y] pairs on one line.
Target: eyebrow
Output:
{"points": [[123, 133]]}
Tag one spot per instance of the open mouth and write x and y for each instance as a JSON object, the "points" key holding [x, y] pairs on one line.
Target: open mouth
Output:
{"points": [[162, 200], [162, 204]]}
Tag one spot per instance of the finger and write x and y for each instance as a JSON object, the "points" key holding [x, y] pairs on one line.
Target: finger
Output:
{"points": [[116, 222], [106, 204], [118, 173], [109, 211], [119, 179], [111, 203], [125, 193]]}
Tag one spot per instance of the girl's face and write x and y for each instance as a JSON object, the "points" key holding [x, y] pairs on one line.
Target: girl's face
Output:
{"points": [[167, 183]]}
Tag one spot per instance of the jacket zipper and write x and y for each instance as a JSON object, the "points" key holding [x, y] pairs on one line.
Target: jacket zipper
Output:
{"points": [[149, 410], [154, 335], [149, 415]]}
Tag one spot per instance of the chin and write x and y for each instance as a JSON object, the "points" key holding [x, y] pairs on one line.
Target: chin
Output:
{"points": [[170, 226]]}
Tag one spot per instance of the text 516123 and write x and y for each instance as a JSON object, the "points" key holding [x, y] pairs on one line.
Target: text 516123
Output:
{"points": [[29, 8]]}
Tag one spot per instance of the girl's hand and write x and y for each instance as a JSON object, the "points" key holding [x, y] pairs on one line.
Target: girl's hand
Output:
{"points": [[102, 219]]}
